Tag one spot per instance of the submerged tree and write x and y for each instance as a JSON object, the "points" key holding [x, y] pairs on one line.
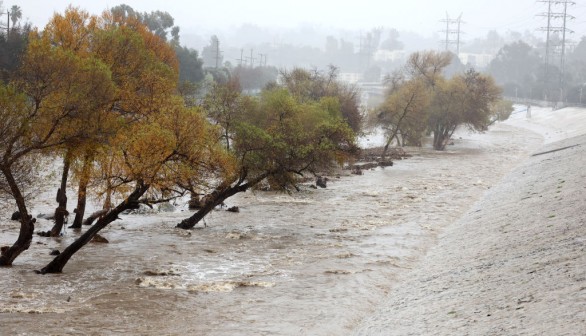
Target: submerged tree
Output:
{"points": [[314, 85], [175, 143], [278, 138], [405, 110], [421, 99], [463, 100], [53, 85]]}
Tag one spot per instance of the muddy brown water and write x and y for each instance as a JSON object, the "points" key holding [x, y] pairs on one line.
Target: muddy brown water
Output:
{"points": [[310, 263]]}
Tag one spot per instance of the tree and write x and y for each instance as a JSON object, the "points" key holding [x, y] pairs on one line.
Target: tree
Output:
{"points": [[279, 138], [73, 31], [173, 144], [12, 48], [255, 78], [315, 85], [517, 67], [224, 105], [190, 65], [463, 100], [420, 99], [157, 22], [405, 112], [51, 87], [15, 14], [212, 57], [392, 42]]}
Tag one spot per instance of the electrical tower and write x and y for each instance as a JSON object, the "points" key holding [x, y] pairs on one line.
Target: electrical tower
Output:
{"points": [[453, 32], [557, 18]]}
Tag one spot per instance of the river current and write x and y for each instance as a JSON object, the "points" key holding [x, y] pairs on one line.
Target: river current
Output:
{"points": [[310, 263]]}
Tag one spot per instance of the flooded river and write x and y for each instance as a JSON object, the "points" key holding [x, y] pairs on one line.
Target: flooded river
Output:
{"points": [[311, 263]]}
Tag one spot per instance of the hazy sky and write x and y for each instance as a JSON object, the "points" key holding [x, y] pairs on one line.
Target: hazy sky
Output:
{"points": [[421, 16]]}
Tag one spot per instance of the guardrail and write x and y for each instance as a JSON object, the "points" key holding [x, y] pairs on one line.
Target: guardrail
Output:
{"points": [[543, 103]]}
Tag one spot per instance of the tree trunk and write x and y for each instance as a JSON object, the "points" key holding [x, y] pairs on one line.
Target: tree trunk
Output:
{"points": [[57, 264], [108, 198], [27, 223], [82, 192], [388, 144], [61, 210], [214, 199], [219, 195], [91, 218], [440, 139]]}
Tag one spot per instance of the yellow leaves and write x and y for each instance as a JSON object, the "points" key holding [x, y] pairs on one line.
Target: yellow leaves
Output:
{"points": [[13, 112], [73, 30], [428, 65], [105, 88], [68, 89], [174, 145]]}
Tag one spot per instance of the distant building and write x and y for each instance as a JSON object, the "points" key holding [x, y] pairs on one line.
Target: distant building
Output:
{"points": [[390, 56], [477, 61], [350, 77]]}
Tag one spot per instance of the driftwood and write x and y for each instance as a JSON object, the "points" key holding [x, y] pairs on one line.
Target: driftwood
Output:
{"points": [[90, 220], [375, 154]]}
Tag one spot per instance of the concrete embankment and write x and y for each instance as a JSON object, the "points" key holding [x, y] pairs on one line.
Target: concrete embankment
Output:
{"points": [[515, 264]]}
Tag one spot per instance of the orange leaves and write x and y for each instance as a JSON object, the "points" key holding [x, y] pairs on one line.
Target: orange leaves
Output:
{"points": [[105, 87], [73, 30]]}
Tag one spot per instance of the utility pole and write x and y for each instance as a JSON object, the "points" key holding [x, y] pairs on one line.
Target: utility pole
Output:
{"points": [[218, 53], [251, 58], [261, 61], [241, 59], [7, 22], [453, 32]]}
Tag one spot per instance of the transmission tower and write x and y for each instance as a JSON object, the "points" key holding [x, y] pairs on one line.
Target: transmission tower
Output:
{"points": [[453, 32], [557, 18]]}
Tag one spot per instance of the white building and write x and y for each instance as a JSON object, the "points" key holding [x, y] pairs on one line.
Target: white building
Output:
{"points": [[477, 61], [350, 77], [390, 56]]}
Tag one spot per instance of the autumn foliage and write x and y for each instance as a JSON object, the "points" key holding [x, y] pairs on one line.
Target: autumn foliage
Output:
{"points": [[421, 99], [100, 93]]}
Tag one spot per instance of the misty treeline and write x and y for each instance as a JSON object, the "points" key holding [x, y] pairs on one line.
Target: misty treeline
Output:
{"points": [[103, 95], [422, 100], [520, 68]]}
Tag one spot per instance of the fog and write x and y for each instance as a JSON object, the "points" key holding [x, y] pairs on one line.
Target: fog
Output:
{"points": [[421, 16], [317, 33]]}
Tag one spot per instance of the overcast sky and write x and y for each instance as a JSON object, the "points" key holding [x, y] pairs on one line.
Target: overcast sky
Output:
{"points": [[421, 16]]}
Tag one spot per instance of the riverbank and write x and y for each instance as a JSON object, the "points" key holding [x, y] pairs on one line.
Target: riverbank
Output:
{"points": [[514, 264]]}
